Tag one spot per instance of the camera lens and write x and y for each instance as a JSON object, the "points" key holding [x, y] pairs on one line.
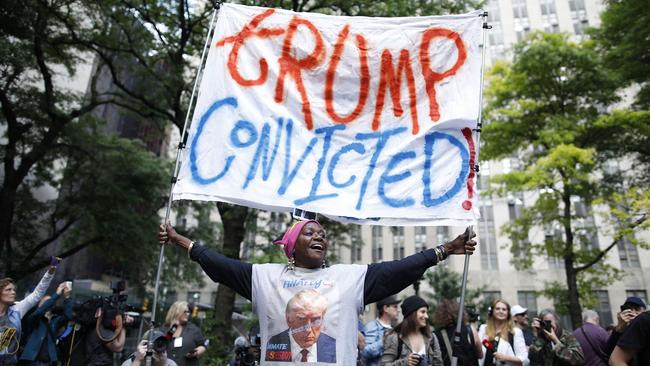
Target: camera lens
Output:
{"points": [[160, 344]]}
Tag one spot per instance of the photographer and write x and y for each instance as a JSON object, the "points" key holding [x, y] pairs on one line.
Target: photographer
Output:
{"points": [[159, 355], [102, 342], [553, 345], [100, 330], [247, 351], [631, 308]]}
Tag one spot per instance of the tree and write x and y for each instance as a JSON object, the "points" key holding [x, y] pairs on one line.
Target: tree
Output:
{"points": [[624, 39], [66, 184], [548, 109], [447, 284]]}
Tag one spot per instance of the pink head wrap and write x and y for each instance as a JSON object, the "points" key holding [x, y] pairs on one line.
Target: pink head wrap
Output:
{"points": [[291, 236]]}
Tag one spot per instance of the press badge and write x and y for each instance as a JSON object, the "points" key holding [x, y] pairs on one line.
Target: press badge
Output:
{"points": [[178, 342]]}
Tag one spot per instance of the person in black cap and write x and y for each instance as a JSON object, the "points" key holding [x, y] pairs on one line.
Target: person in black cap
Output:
{"points": [[412, 339], [631, 308], [388, 312], [634, 346]]}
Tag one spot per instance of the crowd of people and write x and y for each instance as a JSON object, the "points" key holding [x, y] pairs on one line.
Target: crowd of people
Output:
{"points": [[309, 312], [291, 333], [35, 331], [506, 337]]}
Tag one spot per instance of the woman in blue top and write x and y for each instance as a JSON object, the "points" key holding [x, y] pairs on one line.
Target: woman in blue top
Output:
{"points": [[12, 312]]}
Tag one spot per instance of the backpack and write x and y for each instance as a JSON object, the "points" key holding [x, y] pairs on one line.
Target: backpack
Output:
{"points": [[464, 351]]}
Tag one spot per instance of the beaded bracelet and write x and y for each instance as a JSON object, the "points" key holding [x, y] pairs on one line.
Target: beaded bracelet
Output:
{"points": [[441, 253], [445, 253], [189, 249]]}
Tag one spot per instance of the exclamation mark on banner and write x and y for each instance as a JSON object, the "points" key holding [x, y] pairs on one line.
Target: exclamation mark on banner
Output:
{"points": [[467, 204]]}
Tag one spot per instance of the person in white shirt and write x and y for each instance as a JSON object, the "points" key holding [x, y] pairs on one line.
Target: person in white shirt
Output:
{"points": [[503, 343]]}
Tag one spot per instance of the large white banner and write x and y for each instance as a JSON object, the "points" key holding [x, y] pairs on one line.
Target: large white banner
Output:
{"points": [[361, 119]]}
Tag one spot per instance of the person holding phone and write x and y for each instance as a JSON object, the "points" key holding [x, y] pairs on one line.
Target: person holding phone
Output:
{"points": [[40, 345], [553, 345], [188, 343], [12, 312], [344, 288], [631, 308]]}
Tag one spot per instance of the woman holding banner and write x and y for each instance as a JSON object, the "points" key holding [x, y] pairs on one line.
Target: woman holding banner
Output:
{"points": [[308, 312]]}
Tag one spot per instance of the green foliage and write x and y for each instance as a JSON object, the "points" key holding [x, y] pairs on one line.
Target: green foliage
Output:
{"points": [[547, 108], [446, 284], [549, 96], [218, 353], [589, 282], [68, 183], [390, 8], [624, 38]]}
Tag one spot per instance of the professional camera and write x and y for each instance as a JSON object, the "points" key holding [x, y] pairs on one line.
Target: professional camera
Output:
{"points": [[247, 352], [112, 305], [160, 341], [472, 315]]}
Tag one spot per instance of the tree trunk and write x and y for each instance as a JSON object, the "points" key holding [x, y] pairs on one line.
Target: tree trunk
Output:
{"points": [[7, 205], [575, 310], [233, 219]]}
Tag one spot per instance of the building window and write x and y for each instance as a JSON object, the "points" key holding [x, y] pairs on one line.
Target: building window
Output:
{"points": [[487, 236], [377, 243], [641, 294], [420, 238], [578, 16], [398, 242], [604, 309], [627, 254], [193, 297], [515, 205], [355, 244], [549, 16], [528, 299], [442, 234], [521, 21], [483, 181], [552, 239], [497, 47]]}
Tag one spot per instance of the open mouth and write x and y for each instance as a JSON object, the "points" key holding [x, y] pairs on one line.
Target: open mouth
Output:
{"points": [[317, 246]]}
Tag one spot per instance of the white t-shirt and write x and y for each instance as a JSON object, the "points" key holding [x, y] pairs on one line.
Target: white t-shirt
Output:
{"points": [[324, 309], [520, 350]]}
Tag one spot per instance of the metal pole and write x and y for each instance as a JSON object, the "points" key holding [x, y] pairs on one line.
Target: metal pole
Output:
{"points": [[181, 146], [479, 124], [461, 306]]}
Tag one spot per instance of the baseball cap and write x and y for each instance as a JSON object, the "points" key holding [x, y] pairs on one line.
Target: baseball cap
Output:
{"points": [[634, 301], [518, 309], [390, 300]]}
